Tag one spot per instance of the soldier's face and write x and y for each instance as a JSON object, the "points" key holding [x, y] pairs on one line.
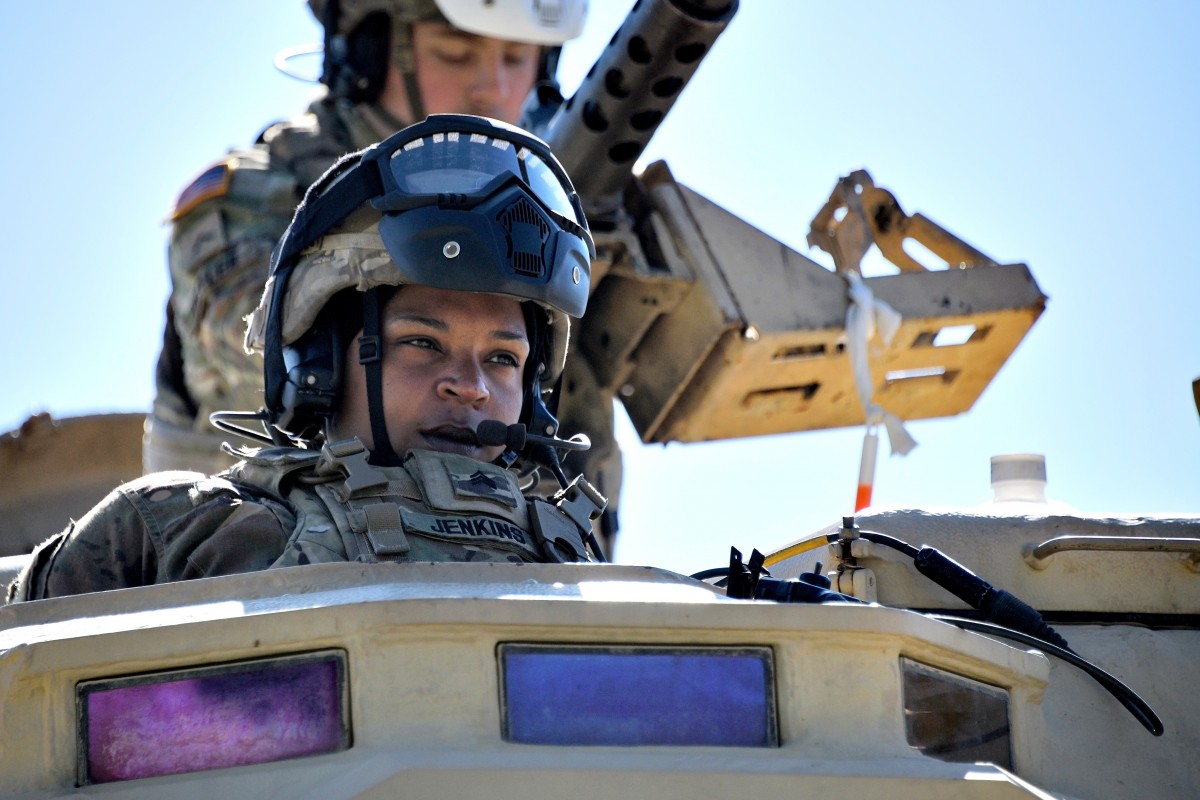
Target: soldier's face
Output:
{"points": [[461, 73], [450, 360]]}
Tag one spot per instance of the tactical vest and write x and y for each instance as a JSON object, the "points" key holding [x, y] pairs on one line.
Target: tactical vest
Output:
{"points": [[436, 507]]}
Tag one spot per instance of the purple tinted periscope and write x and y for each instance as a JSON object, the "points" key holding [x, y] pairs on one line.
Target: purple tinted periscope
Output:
{"points": [[638, 696], [212, 717]]}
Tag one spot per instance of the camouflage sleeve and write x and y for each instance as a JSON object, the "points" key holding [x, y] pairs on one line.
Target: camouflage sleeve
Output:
{"points": [[158, 529], [223, 228]]}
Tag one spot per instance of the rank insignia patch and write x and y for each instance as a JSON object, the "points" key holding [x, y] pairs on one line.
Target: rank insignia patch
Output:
{"points": [[213, 182], [487, 487]]}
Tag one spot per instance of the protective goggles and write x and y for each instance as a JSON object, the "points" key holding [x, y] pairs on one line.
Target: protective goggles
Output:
{"points": [[474, 165], [449, 160]]}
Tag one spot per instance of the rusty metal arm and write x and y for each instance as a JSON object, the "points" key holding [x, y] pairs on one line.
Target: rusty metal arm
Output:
{"points": [[860, 213]]}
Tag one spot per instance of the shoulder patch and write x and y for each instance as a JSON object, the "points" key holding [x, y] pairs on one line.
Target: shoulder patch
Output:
{"points": [[213, 182]]}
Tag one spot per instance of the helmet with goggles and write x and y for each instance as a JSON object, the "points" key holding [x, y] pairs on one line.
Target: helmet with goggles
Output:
{"points": [[455, 202], [362, 37]]}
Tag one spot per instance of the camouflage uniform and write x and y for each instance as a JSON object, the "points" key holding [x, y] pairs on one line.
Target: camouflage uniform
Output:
{"points": [[286, 507], [223, 229]]}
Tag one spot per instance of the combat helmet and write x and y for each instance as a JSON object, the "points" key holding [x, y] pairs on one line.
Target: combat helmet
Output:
{"points": [[363, 36], [454, 202]]}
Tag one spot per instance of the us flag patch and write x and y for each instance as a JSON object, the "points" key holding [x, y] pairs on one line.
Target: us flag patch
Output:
{"points": [[213, 182]]}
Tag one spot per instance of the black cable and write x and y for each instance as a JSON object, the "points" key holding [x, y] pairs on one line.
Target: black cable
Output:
{"points": [[1018, 620], [546, 455], [997, 605], [788, 591], [224, 421], [1125, 696], [879, 538]]}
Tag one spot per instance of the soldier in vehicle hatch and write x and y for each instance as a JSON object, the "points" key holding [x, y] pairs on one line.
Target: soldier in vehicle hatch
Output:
{"points": [[387, 64], [417, 308]]}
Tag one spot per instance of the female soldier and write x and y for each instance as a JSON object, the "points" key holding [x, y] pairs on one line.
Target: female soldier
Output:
{"points": [[416, 313]]}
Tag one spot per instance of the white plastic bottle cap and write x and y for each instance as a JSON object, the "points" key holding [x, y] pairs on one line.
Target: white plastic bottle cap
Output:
{"points": [[1019, 476]]}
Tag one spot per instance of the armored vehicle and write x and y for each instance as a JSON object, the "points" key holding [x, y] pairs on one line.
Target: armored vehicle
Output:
{"points": [[1014, 649]]}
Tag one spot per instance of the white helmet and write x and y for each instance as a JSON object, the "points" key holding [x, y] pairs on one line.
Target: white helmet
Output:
{"points": [[360, 35]]}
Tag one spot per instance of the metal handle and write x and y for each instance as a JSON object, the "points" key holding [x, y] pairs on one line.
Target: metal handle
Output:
{"points": [[1037, 555]]}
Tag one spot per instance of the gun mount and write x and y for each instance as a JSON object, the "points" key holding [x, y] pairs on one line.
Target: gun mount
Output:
{"points": [[708, 328]]}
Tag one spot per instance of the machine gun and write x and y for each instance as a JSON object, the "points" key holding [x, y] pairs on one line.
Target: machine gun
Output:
{"points": [[601, 130], [707, 328]]}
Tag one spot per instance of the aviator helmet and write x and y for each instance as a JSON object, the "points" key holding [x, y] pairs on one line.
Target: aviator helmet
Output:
{"points": [[363, 36], [454, 202]]}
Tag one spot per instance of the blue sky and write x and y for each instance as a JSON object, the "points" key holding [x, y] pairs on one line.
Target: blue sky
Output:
{"points": [[1061, 135]]}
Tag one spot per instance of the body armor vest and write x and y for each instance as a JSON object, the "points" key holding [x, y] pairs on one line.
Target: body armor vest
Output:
{"points": [[436, 507]]}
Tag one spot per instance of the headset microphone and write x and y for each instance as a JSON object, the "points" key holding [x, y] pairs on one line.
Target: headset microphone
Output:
{"points": [[493, 432]]}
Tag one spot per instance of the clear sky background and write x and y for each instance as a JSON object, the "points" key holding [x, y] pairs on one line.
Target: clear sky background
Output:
{"points": [[1060, 134]]}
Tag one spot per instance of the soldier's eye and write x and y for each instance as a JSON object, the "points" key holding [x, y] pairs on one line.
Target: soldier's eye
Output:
{"points": [[506, 359], [419, 342]]}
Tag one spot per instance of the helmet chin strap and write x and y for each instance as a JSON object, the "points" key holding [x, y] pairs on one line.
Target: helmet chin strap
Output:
{"points": [[403, 36], [415, 106], [370, 355], [539, 418]]}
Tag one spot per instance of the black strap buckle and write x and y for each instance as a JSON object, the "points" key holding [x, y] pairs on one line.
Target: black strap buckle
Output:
{"points": [[369, 350]]}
